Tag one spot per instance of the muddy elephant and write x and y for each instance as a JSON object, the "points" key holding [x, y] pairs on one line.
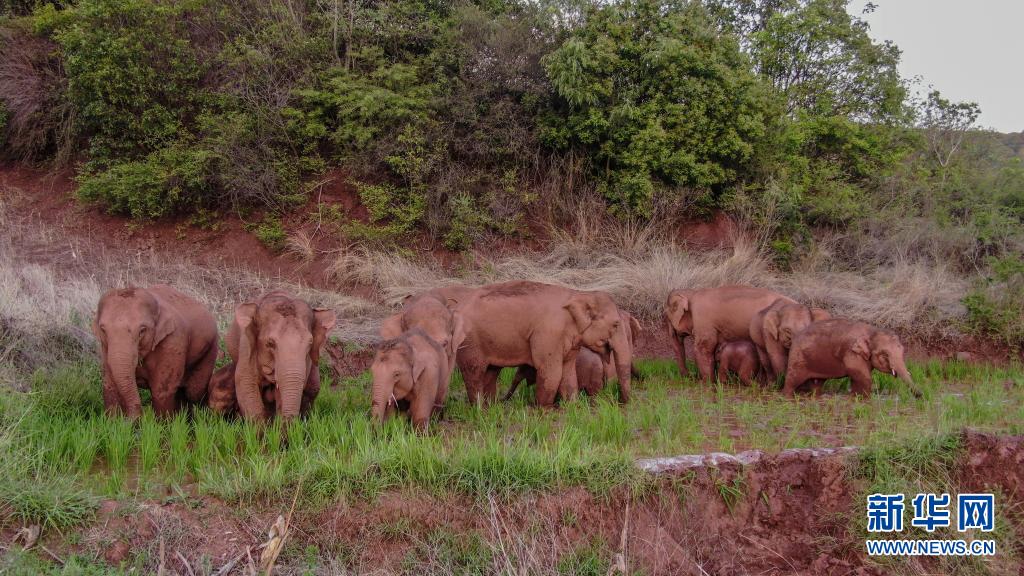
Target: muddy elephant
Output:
{"points": [[540, 325], [738, 357], [410, 373], [432, 313], [772, 331], [839, 347], [156, 338], [712, 316], [590, 374], [275, 343]]}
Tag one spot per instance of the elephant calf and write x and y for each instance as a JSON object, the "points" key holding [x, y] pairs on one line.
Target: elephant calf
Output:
{"points": [[156, 338], [433, 313], [740, 358], [591, 374], [772, 331], [839, 347], [410, 373]]}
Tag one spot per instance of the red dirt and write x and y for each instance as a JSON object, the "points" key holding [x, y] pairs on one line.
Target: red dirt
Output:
{"points": [[791, 515]]}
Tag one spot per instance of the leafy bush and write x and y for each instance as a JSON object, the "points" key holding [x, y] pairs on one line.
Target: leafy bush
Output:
{"points": [[166, 181], [270, 232], [133, 75]]}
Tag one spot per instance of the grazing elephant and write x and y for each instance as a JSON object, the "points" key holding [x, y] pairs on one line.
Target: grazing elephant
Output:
{"points": [[156, 338], [840, 347], [275, 344], [772, 331], [434, 315], [520, 322], [740, 358], [713, 315], [411, 373], [590, 374]]}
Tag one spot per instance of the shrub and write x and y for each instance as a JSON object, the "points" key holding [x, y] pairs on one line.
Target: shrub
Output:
{"points": [[166, 181], [271, 233], [133, 76]]}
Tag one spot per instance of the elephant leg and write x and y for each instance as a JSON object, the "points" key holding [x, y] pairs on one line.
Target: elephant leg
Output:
{"points": [[794, 379], [860, 381], [472, 375], [420, 410], [197, 380], [769, 375], [489, 384], [524, 372], [569, 386], [164, 385], [549, 378], [310, 391], [704, 350]]}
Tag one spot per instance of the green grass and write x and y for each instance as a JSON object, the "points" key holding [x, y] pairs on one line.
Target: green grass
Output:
{"points": [[70, 451]]}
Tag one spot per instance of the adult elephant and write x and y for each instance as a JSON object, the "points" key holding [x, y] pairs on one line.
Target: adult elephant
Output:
{"points": [[540, 325], [156, 338], [712, 316], [772, 331], [275, 343]]}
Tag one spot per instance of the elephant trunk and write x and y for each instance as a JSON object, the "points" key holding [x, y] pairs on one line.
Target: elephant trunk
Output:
{"points": [[383, 390], [903, 374], [623, 354], [123, 361], [290, 375]]}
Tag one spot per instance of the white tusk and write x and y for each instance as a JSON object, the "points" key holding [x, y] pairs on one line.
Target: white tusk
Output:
{"points": [[894, 372]]}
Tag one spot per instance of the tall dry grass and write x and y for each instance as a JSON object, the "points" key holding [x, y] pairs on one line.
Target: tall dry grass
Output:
{"points": [[639, 265]]}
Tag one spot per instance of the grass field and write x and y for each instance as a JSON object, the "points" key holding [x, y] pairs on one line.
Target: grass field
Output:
{"points": [[64, 454]]}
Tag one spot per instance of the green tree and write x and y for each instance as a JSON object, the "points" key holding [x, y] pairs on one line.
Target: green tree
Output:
{"points": [[659, 101]]}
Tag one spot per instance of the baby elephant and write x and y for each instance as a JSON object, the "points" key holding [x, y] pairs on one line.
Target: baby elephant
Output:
{"points": [[411, 373], [740, 358], [222, 398], [839, 347], [156, 338], [590, 374]]}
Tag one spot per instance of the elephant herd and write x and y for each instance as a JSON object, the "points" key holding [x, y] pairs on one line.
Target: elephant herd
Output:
{"points": [[560, 340]]}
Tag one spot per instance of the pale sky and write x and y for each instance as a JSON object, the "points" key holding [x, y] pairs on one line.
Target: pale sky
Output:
{"points": [[967, 49]]}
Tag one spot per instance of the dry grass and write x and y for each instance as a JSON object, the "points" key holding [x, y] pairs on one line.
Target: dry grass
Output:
{"points": [[639, 267]]}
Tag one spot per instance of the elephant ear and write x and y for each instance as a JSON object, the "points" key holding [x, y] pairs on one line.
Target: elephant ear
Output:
{"points": [[819, 314], [678, 305], [324, 320], [771, 323], [245, 315], [634, 327], [165, 325], [862, 348], [458, 332], [581, 309], [391, 327]]}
